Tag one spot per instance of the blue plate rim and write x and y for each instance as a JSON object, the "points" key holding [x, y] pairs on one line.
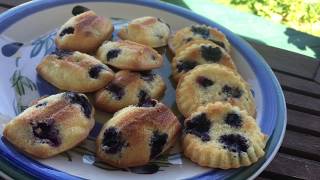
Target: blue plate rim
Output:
{"points": [[275, 94]]}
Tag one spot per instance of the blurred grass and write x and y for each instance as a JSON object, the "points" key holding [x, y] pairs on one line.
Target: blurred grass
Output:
{"points": [[241, 7], [302, 15]]}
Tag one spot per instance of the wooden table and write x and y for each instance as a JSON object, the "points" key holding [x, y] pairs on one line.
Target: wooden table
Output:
{"points": [[299, 76]]}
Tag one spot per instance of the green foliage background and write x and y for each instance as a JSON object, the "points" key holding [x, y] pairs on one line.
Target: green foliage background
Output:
{"points": [[302, 15]]}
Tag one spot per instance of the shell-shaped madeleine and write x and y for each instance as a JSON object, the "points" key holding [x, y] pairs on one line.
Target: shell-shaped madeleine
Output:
{"points": [[137, 134], [84, 32], [74, 71], [129, 55], [150, 31], [52, 125]]}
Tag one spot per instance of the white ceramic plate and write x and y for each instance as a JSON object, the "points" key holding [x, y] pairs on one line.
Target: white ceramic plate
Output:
{"points": [[27, 34]]}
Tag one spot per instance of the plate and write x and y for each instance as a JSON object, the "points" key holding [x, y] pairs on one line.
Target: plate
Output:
{"points": [[27, 34]]}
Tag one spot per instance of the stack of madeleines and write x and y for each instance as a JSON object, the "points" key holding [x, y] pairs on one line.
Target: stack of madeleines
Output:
{"points": [[219, 128]]}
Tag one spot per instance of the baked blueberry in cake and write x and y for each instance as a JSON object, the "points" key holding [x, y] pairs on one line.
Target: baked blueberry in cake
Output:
{"points": [[52, 125]]}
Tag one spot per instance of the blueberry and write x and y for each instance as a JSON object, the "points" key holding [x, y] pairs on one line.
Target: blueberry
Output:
{"points": [[116, 90], [233, 119], [212, 54], [157, 142], [204, 82], [159, 36], [227, 90], [153, 57], [60, 53], [205, 137], [95, 70], [75, 98], [79, 10], [46, 132], [145, 100], [188, 39], [186, 65], [201, 30], [236, 93], [68, 30], [199, 126], [113, 53], [148, 102], [219, 43], [231, 91], [147, 76], [234, 143], [41, 104], [143, 95], [112, 142]]}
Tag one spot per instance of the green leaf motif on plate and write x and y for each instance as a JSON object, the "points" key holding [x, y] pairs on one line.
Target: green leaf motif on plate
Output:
{"points": [[18, 106], [20, 83]]}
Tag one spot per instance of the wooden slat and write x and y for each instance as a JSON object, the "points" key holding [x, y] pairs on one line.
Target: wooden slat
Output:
{"points": [[298, 85], [317, 76], [303, 122], [302, 103], [286, 61], [289, 166], [300, 144], [262, 178], [273, 175], [12, 3]]}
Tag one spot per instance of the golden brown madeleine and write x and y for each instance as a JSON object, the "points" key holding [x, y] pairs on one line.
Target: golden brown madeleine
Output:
{"points": [[129, 55], [209, 83], [129, 88], [199, 52], [150, 31], [84, 32], [135, 135], [74, 71], [222, 136], [51, 126], [197, 32]]}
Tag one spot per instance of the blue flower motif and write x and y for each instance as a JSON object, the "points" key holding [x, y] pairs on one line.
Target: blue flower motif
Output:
{"points": [[45, 42]]}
